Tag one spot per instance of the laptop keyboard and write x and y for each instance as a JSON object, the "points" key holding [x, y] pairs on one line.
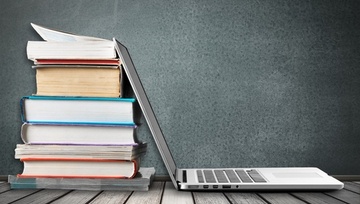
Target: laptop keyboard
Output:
{"points": [[229, 176]]}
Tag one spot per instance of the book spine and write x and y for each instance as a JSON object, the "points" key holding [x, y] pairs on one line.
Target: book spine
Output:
{"points": [[136, 167], [22, 109]]}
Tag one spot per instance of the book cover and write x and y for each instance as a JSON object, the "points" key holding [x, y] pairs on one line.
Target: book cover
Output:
{"points": [[52, 35]]}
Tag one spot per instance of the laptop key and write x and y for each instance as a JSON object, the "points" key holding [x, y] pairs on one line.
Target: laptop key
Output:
{"points": [[232, 176], [220, 175], [200, 176], [257, 178], [209, 176], [243, 176]]}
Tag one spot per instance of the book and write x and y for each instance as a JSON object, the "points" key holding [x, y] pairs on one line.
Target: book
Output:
{"points": [[111, 62], [83, 134], [63, 45], [78, 80], [77, 110], [141, 182], [78, 168], [120, 152], [70, 50]]}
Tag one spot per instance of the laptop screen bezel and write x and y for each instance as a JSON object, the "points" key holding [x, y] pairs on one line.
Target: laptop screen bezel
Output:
{"points": [[147, 110]]}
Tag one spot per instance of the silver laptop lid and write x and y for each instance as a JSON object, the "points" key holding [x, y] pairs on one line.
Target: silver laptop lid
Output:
{"points": [[146, 109]]}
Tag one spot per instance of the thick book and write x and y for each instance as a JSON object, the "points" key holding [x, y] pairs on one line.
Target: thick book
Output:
{"points": [[141, 182], [78, 168], [81, 134], [78, 110], [78, 80], [119, 152]]}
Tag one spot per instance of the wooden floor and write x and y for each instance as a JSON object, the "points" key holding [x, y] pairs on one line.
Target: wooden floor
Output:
{"points": [[164, 192]]}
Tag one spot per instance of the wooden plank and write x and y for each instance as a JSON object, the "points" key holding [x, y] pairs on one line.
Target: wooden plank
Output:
{"points": [[317, 198], [44, 196], [77, 196], [352, 187], [250, 198], [4, 187], [345, 195], [171, 195], [210, 198], [280, 198], [13, 195], [111, 197], [153, 196]]}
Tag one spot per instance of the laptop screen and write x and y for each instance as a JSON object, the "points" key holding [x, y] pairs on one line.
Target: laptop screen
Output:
{"points": [[146, 109]]}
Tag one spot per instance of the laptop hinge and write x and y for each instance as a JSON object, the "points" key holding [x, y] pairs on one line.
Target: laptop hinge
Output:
{"points": [[179, 175]]}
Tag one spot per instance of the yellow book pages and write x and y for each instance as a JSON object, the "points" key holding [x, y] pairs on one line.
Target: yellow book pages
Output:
{"points": [[78, 81]]}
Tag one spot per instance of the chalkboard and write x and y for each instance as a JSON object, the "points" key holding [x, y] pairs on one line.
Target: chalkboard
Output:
{"points": [[232, 83]]}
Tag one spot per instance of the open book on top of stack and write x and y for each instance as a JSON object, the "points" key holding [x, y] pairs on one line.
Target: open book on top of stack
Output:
{"points": [[78, 125]]}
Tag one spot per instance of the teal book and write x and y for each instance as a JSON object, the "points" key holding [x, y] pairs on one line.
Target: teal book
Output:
{"points": [[77, 110]]}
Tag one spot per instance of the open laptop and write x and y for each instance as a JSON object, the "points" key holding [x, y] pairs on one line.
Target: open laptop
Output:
{"points": [[223, 178]]}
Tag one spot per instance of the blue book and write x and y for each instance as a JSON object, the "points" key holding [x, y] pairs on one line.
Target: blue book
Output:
{"points": [[77, 110]]}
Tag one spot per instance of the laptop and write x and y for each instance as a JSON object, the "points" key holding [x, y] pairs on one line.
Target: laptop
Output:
{"points": [[222, 179]]}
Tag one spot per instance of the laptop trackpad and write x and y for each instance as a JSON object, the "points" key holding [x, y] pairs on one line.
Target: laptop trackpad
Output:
{"points": [[296, 175]]}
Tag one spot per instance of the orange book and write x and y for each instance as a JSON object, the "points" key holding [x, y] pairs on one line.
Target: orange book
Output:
{"points": [[78, 168]]}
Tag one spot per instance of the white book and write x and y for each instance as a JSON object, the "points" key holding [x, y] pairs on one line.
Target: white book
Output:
{"points": [[63, 45], [78, 168], [79, 134], [122, 152], [70, 50], [77, 110]]}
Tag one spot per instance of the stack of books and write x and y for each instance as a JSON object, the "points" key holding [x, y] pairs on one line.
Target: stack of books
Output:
{"points": [[78, 126]]}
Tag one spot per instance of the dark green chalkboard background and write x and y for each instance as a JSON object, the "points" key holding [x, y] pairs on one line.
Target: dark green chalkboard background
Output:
{"points": [[233, 83]]}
